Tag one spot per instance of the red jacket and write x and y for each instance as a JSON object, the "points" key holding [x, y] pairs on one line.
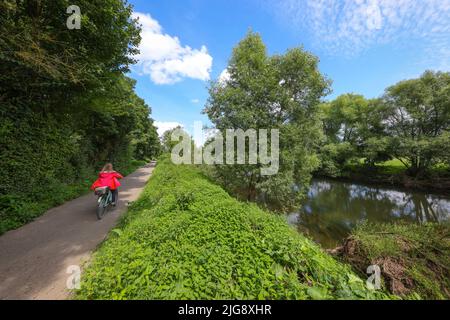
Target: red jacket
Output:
{"points": [[107, 179]]}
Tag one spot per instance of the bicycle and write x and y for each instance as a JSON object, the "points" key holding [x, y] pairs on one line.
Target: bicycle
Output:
{"points": [[104, 201]]}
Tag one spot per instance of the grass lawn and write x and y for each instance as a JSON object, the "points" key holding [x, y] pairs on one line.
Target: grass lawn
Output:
{"points": [[396, 167]]}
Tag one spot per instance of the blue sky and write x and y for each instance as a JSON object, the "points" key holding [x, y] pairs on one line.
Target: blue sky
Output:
{"points": [[363, 45]]}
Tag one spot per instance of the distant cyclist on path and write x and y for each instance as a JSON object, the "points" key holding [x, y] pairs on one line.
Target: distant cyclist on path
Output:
{"points": [[108, 178]]}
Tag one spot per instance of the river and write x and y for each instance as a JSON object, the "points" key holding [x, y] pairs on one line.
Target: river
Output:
{"points": [[334, 208]]}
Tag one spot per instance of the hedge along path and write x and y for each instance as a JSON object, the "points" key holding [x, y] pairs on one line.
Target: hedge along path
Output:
{"points": [[34, 258], [186, 238]]}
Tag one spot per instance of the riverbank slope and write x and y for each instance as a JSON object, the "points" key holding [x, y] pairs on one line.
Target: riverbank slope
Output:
{"points": [[186, 238], [414, 259]]}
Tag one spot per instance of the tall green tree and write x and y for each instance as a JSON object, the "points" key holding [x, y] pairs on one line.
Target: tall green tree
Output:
{"points": [[270, 92], [45, 63], [66, 104], [409, 122], [166, 139], [418, 120], [354, 129]]}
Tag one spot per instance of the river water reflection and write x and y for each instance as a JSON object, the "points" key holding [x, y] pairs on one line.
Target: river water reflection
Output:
{"points": [[334, 208]]}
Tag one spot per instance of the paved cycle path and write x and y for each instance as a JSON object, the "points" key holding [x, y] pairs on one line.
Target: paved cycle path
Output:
{"points": [[35, 258]]}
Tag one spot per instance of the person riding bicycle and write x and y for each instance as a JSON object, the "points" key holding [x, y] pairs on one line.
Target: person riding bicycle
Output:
{"points": [[108, 178]]}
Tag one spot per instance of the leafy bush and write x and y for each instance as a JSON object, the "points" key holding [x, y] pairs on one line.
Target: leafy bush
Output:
{"points": [[186, 238]]}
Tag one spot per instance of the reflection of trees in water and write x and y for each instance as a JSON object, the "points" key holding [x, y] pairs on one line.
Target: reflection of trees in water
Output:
{"points": [[417, 207], [424, 209], [334, 208], [429, 209]]}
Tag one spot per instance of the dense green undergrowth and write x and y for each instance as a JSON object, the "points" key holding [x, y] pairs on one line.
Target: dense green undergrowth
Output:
{"points": [[186, 238], [66, 104], [21, 208], [414, 259]]}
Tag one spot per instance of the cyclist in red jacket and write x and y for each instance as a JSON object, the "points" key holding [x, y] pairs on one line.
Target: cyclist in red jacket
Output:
{"points": [[108, 178]]}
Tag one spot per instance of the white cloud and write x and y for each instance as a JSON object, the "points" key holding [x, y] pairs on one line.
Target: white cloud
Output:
{"points": [[164, 126], [224, 76], [348, 27], [164, 58], [195, 101]]}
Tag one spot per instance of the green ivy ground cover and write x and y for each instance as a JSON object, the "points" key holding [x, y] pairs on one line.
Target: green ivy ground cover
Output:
{"points": [[186, 238]]}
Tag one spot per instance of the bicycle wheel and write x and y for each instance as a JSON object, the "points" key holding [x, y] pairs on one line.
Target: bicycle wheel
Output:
{"points": [[102, 206]]}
